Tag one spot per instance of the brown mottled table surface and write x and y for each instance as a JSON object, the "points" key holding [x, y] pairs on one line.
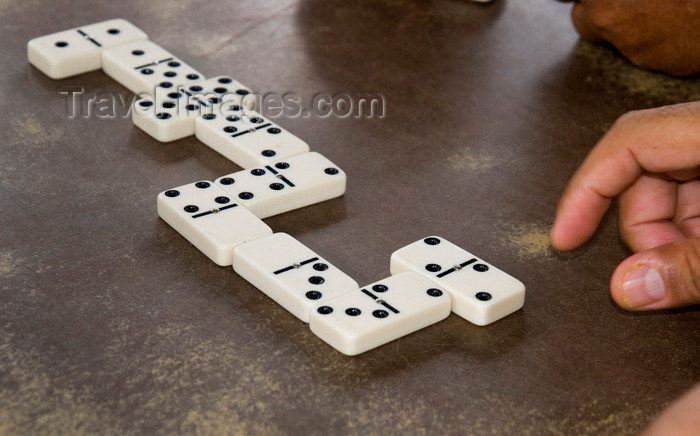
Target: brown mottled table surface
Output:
{"points": [[111, 323]]}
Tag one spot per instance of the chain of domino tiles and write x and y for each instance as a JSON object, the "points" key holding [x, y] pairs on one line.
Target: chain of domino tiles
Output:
{"points": [[223, 218]]}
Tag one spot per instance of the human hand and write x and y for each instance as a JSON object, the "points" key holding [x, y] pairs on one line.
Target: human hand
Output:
{"points": [[653, 34], [679, 419], [652, 159]]}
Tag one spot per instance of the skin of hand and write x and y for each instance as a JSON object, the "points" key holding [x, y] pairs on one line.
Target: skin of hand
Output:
{"points": [[651, 159], [682, 418], [658, 35]]}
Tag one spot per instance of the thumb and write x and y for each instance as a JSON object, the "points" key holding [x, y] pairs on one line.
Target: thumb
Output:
{"points": [[662, 277]]}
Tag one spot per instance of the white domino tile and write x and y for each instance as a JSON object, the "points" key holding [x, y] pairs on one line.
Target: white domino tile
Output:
{"points": [[285, 185], [379, 313], [290, 273], [207, 217], [141, 66], [76, 51], [481, 293], [247, 138]]}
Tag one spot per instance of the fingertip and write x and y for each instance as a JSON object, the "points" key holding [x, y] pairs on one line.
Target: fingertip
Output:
{"points": [[560, 234], [571, 230], [617, 282], [638, 287], [559, 239], [578, 215], [659, 278]]}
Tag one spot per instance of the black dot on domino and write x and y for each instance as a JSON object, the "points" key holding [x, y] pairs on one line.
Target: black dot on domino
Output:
{"points": [[274, 130], [282, 165], [225, 80], [230, 129], [313, 295], [431, 241], [353, 311], [170, 74], [227, 181], [162, 115], [192, 76], [246, 195], [220, 90], [202, 185], [480, 267], [222, 200], [380, 313], [432, 267], [320, 266], [268, 153], [257, 172], [209, 116], [380, 288], [137, 52], [276, 186], [233, 118], [483, 296], [174, 64], [325, 310], [165, 84], [146, 103], [61, 44], [147, 71], [114, 31], [172, 193], [331, 171], [316, 280], [191, 208], [433, 292]]}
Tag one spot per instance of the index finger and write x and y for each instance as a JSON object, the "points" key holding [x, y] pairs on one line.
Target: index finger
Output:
{"points": [[661, 140]]}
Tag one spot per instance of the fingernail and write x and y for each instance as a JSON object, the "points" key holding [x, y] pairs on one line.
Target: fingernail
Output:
{"points": [[642, 286]]}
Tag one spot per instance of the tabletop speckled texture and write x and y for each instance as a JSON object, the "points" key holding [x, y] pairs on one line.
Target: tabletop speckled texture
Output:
{"points": [[112, 324]]}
